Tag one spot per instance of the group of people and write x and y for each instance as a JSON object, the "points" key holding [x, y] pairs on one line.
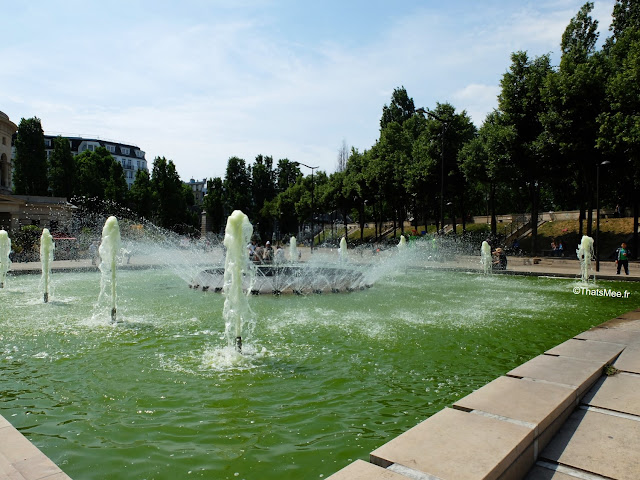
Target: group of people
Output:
{"points": [[265, 255], [557, 248]]}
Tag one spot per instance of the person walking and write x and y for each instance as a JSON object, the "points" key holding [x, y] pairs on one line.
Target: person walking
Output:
{"points": [[622, 258]]}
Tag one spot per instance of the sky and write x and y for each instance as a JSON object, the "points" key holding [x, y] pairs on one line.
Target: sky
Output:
{"points": [[200, 81]]}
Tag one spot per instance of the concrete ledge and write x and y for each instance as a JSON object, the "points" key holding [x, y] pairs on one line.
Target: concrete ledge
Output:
{"points": [[21, 460], [531, 423], [458, 445]]}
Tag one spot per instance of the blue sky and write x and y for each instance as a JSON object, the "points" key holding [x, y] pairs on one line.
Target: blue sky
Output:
{"points": [[199, 81]]}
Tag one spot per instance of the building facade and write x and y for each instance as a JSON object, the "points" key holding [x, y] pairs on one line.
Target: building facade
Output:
{"points": [[7, 130], [199, 189], [130, 157]]}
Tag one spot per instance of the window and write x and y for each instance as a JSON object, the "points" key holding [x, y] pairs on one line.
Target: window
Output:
{"points": [[110, 148], [47, 142], [91, 148], [139, 153], [4, 140], [124, 150], [129, 163]]}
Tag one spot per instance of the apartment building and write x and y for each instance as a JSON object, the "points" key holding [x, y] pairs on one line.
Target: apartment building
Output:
{"points": [[130, 156]]}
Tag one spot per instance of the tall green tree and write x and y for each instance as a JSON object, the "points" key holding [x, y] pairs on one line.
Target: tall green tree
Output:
{"points": [[141, 195], [399, 110], [168, 196], [97, 176], [30, 165], [237, 186], [522, 105], [214, 204], [574, 95], [62, 169], [619, 134], [263, 182]]}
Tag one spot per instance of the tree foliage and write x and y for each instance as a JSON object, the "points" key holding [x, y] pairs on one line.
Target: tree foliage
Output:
{"points": [[30, 165]]}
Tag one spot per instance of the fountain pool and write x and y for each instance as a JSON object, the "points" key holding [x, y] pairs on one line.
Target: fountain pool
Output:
{"points": [[334, 376]]}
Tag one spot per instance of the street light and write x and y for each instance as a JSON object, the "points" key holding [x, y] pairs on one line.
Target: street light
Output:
{"points": [[606, 162], [312, 191], [445, 124]]}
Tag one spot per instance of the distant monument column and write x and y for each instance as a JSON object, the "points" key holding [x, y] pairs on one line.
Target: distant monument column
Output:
{"points": [[7, 129]]}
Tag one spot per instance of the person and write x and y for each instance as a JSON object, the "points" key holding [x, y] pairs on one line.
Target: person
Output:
{"points": [[93, 252], [560, 248], [279, 256], [499, 259], [622, 258], [267, 255], [257, 253]]}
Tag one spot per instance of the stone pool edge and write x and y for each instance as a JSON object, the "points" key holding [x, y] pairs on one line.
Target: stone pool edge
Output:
{"points": [[554, 416]]}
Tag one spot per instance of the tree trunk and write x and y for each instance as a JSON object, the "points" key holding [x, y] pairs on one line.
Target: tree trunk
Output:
{"points": [[589, 216], [581, 220], [492, 203], [534, 218], [636, 209]]}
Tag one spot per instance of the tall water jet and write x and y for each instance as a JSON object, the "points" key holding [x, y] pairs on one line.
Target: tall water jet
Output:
{"points": [[46, 257], [109, 250], [236, 311], [402, 245], [485, 257], [343, 253], [5, 250], [585, 255], [293, 250]]}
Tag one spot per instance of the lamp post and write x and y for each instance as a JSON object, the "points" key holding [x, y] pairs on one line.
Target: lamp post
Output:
{"points": [[445, 124], [606, 162], [312, 192]]}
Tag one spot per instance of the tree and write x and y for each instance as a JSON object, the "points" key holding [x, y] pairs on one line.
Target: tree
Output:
{"points": [[521, 103], [30, 166], [619, 134], [97, 176], [574, 96], [214, 204], [484, 160], [263, 183], [168, 196], [62, 169], [400, 109], [141, 195], [237, 186]]}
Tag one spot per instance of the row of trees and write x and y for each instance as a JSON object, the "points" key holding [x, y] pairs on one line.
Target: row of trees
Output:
{"points": [[554, 129], [95, 178]]}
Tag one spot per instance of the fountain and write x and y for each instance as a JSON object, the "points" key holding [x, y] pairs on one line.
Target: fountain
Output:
{"points": [[293, 250], [343, 253], [402, 245], [46, 257], [5, 262], [109, 250], [485, 257], [337, 379], [585, 255], [236, 313]]}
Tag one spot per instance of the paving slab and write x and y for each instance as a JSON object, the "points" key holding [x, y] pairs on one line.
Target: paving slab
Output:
{"points": [[20, 459], [536, 403], [456, 445], [613, 335], [629, 360], [620, 393], [361, 470], [541, 473], [588, 350], [603, 444], [564, 370]]}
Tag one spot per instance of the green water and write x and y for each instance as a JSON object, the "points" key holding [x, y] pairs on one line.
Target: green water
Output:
{"points": [[336, 376]]}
